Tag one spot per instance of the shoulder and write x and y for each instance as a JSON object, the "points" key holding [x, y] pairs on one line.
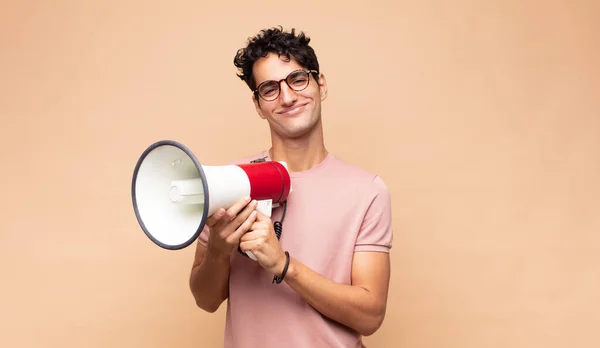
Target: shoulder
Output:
{"points": [[360, 177]]}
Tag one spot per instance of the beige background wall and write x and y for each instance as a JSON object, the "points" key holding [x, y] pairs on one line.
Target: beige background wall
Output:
{"points": [[482, 117]]}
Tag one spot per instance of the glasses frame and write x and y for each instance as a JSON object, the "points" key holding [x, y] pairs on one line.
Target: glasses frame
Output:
{"points": [[307, 71]]}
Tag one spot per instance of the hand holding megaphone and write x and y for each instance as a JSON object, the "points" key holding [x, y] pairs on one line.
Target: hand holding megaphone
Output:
{"points": [[227, 226], [174, 195]]}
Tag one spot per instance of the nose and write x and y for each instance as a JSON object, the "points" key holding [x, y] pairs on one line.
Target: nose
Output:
{"points": [[287, 95]]}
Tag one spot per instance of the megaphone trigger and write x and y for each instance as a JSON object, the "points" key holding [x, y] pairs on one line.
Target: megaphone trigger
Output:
{"points": [[251, 255]]}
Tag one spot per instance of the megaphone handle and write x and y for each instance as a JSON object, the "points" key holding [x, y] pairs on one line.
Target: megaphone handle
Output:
{"points": [[265, 207], [251, 255]]}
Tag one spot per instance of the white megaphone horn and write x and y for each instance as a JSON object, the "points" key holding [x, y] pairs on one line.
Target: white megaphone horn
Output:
{"points": [[173, 194]]}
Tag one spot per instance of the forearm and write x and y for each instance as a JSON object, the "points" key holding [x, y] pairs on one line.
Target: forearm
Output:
{"points": [[353, 306], [209, 281]]}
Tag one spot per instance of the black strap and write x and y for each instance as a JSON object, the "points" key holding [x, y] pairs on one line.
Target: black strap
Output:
{"points": [[279, 279], [258, 160]]}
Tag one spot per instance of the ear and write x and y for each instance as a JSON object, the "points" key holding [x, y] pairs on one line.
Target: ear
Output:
{"points": [[322, 86], [257, 107]]}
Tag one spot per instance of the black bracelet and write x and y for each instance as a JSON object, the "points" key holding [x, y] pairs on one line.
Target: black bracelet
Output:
{"points": [[277, 279]]}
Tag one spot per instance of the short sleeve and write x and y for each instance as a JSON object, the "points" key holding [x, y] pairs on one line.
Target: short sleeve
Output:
{"points": [[376, 232]]}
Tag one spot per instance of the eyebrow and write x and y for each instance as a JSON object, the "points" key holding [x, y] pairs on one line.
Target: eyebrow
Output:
{"points": [[283, 78]]}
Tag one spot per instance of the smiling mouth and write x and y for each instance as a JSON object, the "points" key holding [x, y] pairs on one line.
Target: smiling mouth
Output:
{"points": [[293, 111]]}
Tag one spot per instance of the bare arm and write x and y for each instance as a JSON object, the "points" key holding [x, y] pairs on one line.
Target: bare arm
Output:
{"points": [[361, 306], [209, 278]]}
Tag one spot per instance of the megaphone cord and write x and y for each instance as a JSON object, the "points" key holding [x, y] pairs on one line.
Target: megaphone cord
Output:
{"points": [[278, 225]]}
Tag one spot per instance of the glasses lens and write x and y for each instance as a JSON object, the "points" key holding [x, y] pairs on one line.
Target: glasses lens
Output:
{"points": [[298, 80], [269, 90]]}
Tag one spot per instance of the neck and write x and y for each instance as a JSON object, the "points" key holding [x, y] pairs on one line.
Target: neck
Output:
{"points": [[301, 153]]}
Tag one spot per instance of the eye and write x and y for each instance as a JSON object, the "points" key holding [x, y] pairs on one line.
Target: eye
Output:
{"points": [[299, 80], [268, 89]]}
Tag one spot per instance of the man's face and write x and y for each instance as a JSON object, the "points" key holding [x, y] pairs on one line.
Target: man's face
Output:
{"points": [[293, 113]]}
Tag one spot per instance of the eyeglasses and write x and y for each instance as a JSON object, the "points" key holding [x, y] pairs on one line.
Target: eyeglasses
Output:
{"points": [[297, 80]]}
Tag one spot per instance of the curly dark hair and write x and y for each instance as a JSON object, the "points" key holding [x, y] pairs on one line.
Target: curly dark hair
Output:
{"points": [[274, 40]]}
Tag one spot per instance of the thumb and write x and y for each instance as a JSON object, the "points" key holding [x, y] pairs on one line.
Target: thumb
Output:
{"points": [[260, 216]]}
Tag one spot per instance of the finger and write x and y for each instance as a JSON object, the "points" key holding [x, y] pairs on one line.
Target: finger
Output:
{"points": [[215, 218], [262, 217], [253, 235], [232, 212], [239, 219], [243, 228], [251, 245], [259, 225], [238, 206]]}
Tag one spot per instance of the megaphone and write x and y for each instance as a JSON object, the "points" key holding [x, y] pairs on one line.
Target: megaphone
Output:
{"points": [[173, 194]]}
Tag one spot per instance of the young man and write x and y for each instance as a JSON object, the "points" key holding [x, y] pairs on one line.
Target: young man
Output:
{"points": [[331, 261]]}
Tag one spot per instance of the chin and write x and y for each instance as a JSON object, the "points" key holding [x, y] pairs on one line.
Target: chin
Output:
{"points": [[296, 129]]}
